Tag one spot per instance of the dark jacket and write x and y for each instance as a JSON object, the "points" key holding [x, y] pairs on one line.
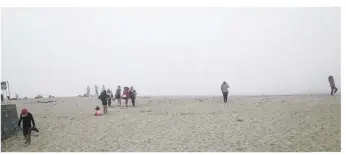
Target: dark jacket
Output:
{"points": [[104, 96], [133, 94], [26, 120]]}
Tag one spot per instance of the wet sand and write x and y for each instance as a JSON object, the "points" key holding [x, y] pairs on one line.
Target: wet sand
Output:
{"points": [[246, 123]]}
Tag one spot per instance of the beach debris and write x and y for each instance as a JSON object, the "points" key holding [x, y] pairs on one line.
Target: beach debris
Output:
{"points": [[187, 113], [45, 101], [215, 113], [71, 118], [199, 100], [143, 111], [38, 96], [161, 113], [239, 120]]}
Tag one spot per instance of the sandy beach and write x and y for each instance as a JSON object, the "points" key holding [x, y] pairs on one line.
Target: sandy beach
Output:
{"points": [[245, 123]]}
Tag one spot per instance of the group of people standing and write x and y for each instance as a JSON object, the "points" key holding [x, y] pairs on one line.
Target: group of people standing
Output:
{"points": [[107, 96]]}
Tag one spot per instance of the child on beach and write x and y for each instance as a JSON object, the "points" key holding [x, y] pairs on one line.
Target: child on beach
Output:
{"points": [[104, 97], [98, 112], [27, 118], [117, 95]]}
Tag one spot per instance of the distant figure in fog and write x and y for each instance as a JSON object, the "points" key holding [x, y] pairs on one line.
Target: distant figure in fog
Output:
{"points": [[96, 90], [109, 93], [88, 91], [224, 89], [103, 88], [332, 85], [117, 96], [2, 98]]}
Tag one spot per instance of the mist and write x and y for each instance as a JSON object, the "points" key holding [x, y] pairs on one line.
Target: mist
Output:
{"points": [[170, 51]]}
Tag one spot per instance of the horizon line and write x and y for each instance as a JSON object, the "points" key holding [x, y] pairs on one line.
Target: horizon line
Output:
{"points": [[293, 94]]}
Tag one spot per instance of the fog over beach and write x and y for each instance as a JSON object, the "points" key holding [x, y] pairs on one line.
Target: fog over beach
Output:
{"points": [[170, 51], [276, 62]]}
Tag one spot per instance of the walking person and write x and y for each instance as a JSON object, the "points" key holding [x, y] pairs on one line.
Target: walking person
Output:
{"points": [[27, 119], [224, 89], [104, 97], [117, 95], [103, 88], [332, 85], [97, 90], [110, 94], [133, 95], [2, 97], [126, 95], [88, 91]]}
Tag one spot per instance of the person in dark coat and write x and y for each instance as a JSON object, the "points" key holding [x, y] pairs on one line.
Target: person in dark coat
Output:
{"points": [[104, 97], [133, 94]]}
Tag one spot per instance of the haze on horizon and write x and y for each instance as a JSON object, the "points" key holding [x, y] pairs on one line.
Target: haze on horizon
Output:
{"points": [[170, 51]]}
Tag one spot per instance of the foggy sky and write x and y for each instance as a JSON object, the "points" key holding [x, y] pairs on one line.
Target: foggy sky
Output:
{"points": [[170, 51]]}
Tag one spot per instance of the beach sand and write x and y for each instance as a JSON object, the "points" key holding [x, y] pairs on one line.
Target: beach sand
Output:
{"points": [[245, 123]]}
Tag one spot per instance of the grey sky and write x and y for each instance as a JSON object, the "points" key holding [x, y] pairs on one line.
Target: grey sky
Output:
{"points": [[170, 51]]}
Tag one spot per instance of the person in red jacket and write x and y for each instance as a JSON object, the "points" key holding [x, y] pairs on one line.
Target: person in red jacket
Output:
{"points": [[126, 95]]}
